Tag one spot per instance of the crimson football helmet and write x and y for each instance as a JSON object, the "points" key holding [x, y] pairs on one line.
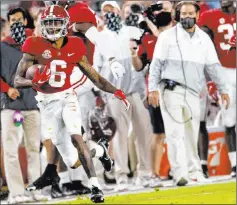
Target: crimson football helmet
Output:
{"points": [[54, 22]]}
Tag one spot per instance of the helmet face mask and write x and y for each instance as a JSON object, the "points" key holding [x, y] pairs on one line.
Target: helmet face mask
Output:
{"points": [[54, 23]]}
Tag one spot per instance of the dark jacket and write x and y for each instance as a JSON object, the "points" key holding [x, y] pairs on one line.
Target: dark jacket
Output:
{"points": [[10, 57]]}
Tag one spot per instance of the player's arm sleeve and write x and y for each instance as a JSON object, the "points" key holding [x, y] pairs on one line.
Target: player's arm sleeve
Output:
{"points": [[158, 61], [4, 87], [214, 68]]}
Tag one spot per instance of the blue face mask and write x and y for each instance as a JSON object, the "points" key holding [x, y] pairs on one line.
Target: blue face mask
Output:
{"points": [[18, 32]]}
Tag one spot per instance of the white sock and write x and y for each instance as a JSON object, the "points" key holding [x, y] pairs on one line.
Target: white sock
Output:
{"points": [[93, 145], [203, 162], [76, 174], [64, 177], [232, 157], [93, 181]]}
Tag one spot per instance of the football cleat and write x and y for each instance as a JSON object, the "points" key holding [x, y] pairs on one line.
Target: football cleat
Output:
{"points": [[97, 195], [56, 192], [106, 161], [80, 188], [43, 181]]}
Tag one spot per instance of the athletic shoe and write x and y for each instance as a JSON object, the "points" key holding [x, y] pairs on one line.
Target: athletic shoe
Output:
{"points": [[181, 182], [38, 196], [43, 181], [80, 188], [56, 192], [233, 173], [19, 199], [97, 195], [155, 182], [106, 161], [205, 171]]}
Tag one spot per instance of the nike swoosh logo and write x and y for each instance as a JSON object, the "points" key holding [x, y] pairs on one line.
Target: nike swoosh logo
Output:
{"points": [[70, 54], [149, 42]]}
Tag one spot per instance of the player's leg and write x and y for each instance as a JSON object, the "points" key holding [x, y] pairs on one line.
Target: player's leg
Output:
{"points": [[229, 117], [203, 140], [87, 103], [72, 118], [48, 128]]}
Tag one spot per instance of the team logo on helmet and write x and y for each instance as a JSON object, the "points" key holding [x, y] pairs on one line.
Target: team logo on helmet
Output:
{"points": [[47, 54]]}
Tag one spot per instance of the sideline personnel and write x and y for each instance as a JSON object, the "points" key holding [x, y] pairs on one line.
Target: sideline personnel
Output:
{"points": [[180, 57]]}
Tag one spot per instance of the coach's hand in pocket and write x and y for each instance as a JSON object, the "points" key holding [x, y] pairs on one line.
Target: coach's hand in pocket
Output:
{"points": [[153, 98]]}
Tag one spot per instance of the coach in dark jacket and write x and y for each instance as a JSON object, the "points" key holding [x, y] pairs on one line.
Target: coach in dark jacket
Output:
{"points": [[18, 114]]}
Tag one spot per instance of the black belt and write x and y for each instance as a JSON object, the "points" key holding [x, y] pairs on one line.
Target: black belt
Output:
{"points": [[170, 84]]}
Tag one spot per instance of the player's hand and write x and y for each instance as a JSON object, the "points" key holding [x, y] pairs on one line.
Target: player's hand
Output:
{"points": [[212, 91], [40, 78], [232, 41], [13, 93], [117, 69], [121, 96], [133, 48], [225, 100], [153, 99]]}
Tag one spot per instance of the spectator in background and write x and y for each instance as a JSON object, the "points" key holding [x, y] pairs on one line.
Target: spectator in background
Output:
{"points": [[19, 111], [138, 115], [181, 55], [141, 57]]}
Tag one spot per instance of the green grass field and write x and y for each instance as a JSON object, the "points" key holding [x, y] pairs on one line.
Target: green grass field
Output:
{"points": [[206, 194]]}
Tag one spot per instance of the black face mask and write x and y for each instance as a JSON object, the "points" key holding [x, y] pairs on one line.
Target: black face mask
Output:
{"points": [[188, 22], [132, 20], [143, 25], [18, 32], [163, 19], [113, 21]]}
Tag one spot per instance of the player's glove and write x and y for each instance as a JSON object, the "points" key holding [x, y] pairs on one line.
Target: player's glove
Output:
{"points": [[232, 41], [117, 69], [212, 90], [121, 96], [40, 78]]}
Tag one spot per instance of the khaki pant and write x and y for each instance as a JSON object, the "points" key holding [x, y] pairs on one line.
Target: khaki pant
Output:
{"points": [[141, 123], [181, 130], [11, 138]]}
